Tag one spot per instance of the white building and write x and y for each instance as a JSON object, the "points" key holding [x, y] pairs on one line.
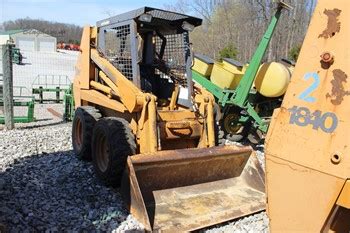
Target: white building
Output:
{"points": [[30, 40]]}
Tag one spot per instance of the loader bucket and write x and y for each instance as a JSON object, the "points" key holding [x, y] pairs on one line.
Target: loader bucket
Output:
{"points": [[188, 189]]}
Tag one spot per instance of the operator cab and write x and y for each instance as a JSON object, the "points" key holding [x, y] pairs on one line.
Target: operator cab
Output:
{"points": [[151, 48]]}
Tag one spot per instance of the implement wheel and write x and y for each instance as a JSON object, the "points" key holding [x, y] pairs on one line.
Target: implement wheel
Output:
{"points": [[231, 124], [112, 142], [83, 123], [233, 129]]}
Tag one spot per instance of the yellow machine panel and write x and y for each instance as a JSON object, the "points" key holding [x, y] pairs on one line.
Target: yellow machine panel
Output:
{"points": [[307, 146]]}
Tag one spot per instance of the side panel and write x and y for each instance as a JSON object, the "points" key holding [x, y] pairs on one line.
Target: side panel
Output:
{"points": [[315, 110], [307, 147], [299, 199]]}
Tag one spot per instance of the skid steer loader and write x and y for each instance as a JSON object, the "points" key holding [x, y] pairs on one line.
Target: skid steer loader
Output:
{"points": [[148, 128], [307, 146]]}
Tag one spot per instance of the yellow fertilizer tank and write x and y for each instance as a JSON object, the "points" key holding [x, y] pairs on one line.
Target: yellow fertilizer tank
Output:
{"points": [[227, 74], [272, 79], [203, 64]]}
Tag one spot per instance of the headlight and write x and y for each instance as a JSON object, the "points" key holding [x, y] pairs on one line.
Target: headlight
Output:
{"points": [[145, 18], [187, 26]]}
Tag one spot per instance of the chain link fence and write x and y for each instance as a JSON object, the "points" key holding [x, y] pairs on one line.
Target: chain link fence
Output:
{"points": [[40, 80]]}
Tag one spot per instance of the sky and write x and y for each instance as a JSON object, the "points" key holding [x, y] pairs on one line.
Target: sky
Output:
{"points": [[79, 12]]}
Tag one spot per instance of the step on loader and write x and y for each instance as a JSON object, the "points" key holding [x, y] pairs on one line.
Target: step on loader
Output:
{"points": [[148, 128]]}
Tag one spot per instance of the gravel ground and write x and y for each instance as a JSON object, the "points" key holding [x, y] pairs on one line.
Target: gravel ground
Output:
{"points": [[253, 223], [43, 187]]}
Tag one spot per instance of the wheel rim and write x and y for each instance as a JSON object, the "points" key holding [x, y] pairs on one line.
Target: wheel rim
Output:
{"points": [[231, 124], [102, 153], [78, 134]]}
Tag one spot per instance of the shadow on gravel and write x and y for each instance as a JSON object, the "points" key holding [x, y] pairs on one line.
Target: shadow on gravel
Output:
{"points": [[57, 192], [43, 124], [25, 63]]}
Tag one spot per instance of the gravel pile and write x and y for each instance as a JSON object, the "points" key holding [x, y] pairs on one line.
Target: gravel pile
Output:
{"points": [[259, 150], [44, 187], [251, 224]]}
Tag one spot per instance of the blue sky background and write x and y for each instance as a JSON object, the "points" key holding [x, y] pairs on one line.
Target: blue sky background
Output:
{"points": [[78, 12]]}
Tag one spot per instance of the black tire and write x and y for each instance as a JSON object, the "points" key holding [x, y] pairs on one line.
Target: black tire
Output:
{"points": [[219, 134], [84, 121], [112, 143], [243, 134], [232, 129], [256, 137]]}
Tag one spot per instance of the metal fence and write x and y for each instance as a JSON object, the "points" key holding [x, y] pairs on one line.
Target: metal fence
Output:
{"points": [[43, 77]]}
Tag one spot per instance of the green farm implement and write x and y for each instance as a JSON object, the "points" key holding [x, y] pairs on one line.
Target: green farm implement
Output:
{"points": [[50, 84], [29, 103], [16, 56], [246, 99], [68, 102]]}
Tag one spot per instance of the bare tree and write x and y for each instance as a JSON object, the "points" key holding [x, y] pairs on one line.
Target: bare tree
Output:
{"points": [[243, 23], [63, 32]]}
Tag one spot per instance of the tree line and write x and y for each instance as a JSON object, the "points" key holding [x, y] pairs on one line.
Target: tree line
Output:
{"points": [[67, 33], [233, 28]]}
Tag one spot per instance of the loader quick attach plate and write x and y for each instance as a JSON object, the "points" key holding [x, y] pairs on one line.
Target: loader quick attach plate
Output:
{"points": [[188, 189]]}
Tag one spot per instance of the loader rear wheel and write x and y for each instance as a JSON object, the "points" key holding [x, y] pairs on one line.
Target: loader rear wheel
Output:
{"points": [[112, 143], [83, 123]]}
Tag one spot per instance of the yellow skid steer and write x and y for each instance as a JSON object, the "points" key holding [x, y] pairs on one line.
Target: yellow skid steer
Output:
{"points": [[148, 128]]}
